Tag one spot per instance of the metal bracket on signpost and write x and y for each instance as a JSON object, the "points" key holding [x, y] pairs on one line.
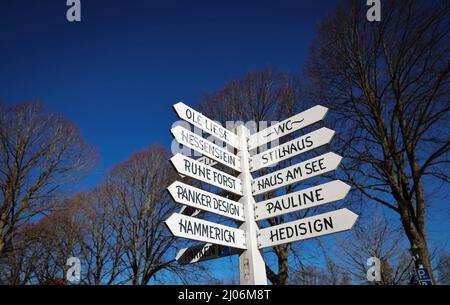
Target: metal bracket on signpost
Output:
{"points": [[252, 268]]}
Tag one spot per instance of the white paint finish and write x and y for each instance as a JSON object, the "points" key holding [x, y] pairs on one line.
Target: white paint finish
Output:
{"points": [[204, 252], [206, 201], [252, 269], [189, 167], [292, 148], [206, 231], [315, 226], [287, 126], [205, 147], [295, 173], [197, 119], [296, 201]]}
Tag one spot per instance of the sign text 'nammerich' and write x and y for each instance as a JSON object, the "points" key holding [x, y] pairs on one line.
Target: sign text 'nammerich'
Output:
{"points": [[189, 167], [292, 148], [206, 148], [295, 173], [206, 201], [202, 230], [197, 119], [294, 123], [204, 252], [315, 226], [304, 199]]}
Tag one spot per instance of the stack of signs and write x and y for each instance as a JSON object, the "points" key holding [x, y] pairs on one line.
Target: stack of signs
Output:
{"points": [[221, 240]]}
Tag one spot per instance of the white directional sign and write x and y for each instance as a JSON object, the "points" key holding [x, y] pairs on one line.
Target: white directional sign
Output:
{"points": [[319, 225], [287, 126], [202, 230], [200, 199], [189, 167], [197, 119], [207, 161], [292, 148], [295, 173], [304, 199], [206, 148], [204, 252]]}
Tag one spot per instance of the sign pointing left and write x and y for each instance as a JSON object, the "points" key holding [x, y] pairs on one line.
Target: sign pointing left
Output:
{"points": [[197, 119], [202, 230]]}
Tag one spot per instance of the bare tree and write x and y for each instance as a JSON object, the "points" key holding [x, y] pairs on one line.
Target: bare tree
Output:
{"points": [[100, 247], [40, 154], [387, 84], [379, 238], [137, 190]]}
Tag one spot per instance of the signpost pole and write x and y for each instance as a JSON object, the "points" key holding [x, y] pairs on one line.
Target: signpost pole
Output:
{"points": [[252, 268]]}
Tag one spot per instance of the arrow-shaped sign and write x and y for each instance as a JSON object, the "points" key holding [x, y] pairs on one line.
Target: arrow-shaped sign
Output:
{"points": [[292, 148], [206, 148], [189, 167], [197, 119], [200, 199], [301, 200], [295, 173], [204, 252], [202, 230], [323, 224], [287, 126]]}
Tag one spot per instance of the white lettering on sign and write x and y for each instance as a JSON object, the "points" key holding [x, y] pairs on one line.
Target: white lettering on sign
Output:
{"points": [[199, 120], [323, 224], [203, 146], [197, 198], [194, 169], [304, 199], [295, 173], [292, 148], [202, 230]]}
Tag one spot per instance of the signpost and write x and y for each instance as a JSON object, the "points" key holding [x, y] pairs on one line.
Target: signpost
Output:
{"points": [[204, 252], [297, 172], [202, 230], [292, 148], [247, 240], [423, 276], [323, 224], [304, 199]]}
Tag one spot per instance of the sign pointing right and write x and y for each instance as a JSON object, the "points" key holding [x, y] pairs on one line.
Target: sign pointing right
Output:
{"points": [[297, 172], [315, 226], [304, 199]]}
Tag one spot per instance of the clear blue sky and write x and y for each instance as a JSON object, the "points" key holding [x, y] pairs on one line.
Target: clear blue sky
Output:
{"points": [[117, 72]]}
